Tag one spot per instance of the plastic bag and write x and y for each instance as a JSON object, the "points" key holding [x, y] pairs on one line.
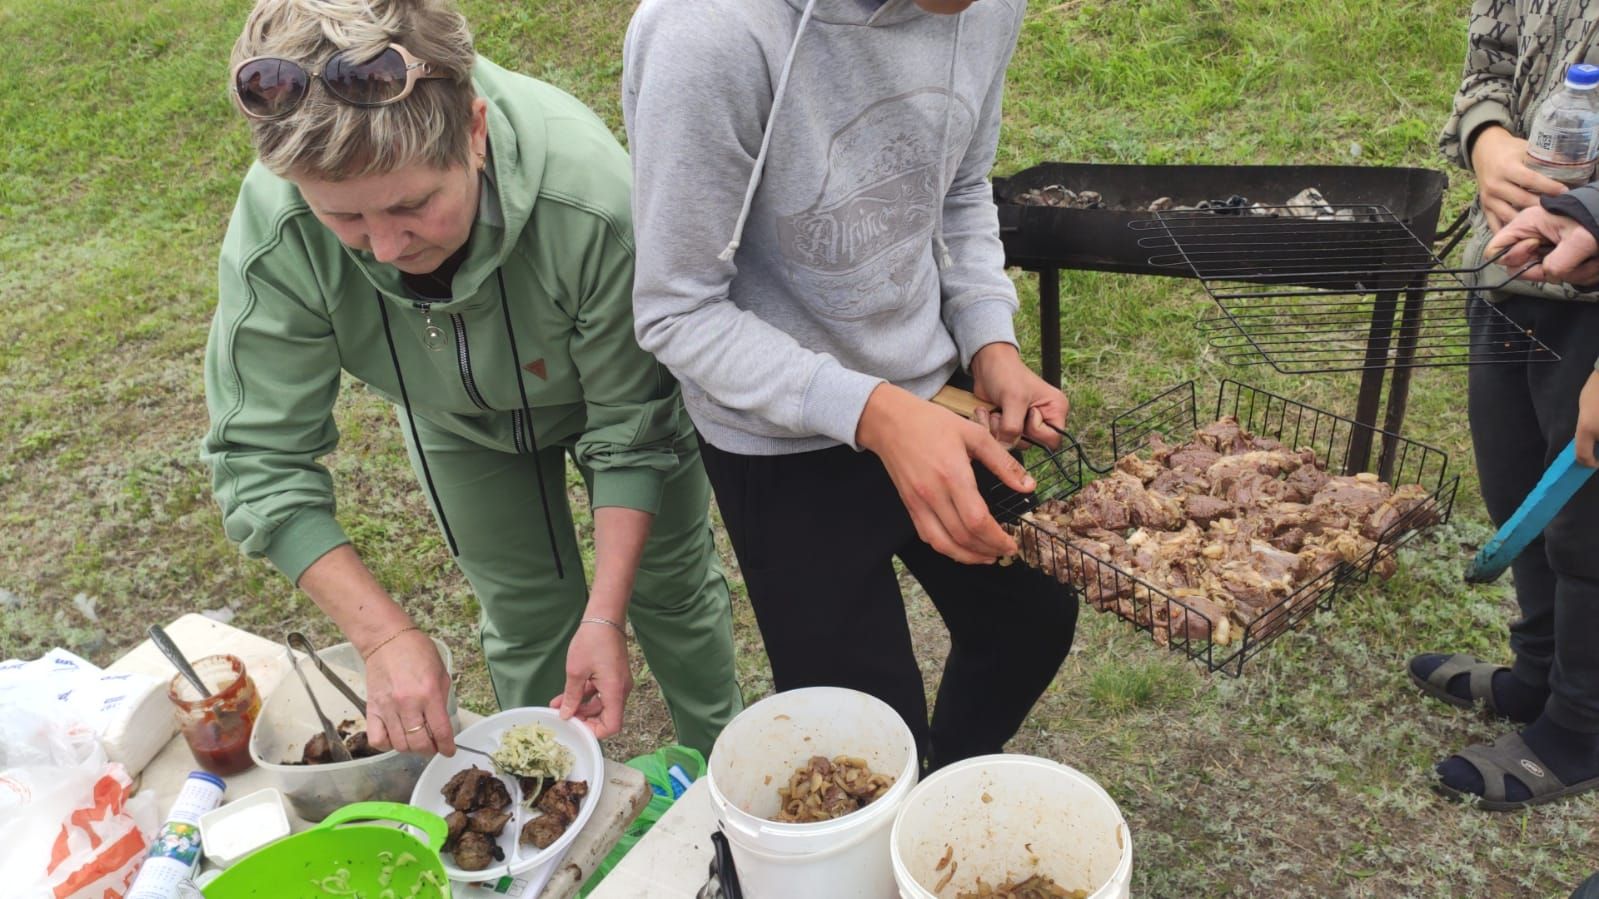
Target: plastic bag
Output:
{"points": [[669, 771], [69, 825], [129, 712]]}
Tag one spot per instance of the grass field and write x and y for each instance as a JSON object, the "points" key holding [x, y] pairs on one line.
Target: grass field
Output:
{"points": [[119, 161]]}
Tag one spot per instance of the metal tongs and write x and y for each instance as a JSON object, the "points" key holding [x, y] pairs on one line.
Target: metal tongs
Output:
{"points": [[336, 747], [297, 640]]}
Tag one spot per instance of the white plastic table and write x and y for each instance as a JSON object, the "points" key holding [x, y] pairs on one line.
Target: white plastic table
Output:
{"points": [[624, 796]]}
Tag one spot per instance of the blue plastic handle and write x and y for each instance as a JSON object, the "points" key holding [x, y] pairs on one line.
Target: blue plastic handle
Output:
{"points": [[1563, 479]]}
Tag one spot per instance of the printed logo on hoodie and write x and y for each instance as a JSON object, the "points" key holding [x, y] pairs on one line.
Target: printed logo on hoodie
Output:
{"points": [[881, 195]]}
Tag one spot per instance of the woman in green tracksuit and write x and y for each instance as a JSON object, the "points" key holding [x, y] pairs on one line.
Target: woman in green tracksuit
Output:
{"points": [[458, 237]]}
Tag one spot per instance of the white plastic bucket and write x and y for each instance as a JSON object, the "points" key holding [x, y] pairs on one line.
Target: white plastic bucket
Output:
{"points": [[1007, 817], [846, 858]]}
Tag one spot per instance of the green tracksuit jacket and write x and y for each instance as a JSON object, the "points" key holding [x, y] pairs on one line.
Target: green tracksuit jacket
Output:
{"points": [[297, 309]]}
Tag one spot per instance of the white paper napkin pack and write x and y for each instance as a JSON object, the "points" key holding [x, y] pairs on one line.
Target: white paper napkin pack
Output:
{"points": [[129, 712]]}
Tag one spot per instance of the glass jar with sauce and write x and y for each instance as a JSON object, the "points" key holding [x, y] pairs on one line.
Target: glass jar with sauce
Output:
{"points": [[217, 727]]}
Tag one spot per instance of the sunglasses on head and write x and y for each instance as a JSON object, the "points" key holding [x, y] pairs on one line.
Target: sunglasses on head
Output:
{"points": [[267, 87]]}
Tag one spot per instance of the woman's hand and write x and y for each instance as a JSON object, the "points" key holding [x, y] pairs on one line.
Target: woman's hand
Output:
{"points": [[598, 678], [1026, 404], [1504, 183], [407, 687], [1529, 236], [928, 452], [407, 691], [1588, 422], [598, 675]]}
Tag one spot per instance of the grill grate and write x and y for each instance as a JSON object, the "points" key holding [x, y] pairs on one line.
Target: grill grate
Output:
{"points": [[1175, 413], [1331, 288]]}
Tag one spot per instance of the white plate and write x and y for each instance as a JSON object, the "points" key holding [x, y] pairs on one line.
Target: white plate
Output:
{"points": [[588, 764]]}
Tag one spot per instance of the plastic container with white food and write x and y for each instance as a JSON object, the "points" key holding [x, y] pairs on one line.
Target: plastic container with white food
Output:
{"points": [[239, 828]]}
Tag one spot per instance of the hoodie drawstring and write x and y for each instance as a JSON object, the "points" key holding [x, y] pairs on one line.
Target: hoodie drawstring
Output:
{"points": [[410, 419], [944, 259], [766, 137], [527, 428]]}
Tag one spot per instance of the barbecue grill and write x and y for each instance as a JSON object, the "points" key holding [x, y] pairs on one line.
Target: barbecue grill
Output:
{"points": [[1117, 238], [1304, 288], [1175, 413]]}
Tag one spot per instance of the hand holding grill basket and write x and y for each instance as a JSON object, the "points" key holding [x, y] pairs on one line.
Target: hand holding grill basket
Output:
{"points": [[1059, 470]]}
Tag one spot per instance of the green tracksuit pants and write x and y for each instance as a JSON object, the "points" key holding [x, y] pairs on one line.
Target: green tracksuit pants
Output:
{"points": [[680, 610]]}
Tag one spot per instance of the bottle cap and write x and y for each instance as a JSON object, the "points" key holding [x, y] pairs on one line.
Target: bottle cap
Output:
{"points": [[1582, 76], [219, 783]]}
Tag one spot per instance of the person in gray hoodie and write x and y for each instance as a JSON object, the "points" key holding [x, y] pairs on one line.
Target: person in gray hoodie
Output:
{"points": [[819, 254]]}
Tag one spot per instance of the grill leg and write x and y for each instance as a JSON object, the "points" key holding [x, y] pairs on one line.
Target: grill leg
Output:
{"points": [[1371, 378], [1049, 324], [1399, 385]]}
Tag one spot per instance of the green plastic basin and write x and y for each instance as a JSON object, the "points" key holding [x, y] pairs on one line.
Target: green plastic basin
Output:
{"points": [[310, 864]]}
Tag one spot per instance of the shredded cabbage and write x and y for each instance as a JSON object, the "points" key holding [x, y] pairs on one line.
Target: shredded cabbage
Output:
{"points": [[531, 750]]}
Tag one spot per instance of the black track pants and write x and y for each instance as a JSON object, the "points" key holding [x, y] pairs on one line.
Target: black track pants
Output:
{"points": [[1522, 416], [816, 534]]}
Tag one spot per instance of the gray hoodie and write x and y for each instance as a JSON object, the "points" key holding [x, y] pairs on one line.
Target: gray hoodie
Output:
{"points": [[811, 205]]}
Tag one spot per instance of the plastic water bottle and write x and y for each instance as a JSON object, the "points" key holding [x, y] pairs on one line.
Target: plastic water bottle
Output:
{"points": [[1564, 141]]}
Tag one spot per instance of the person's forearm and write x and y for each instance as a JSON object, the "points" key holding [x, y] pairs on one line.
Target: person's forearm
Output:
{"points": [[342, 586], [1485, 137], [619, 536]]}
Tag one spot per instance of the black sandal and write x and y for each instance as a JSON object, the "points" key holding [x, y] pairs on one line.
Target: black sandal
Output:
{"points": [[1481, 687], [1509, 756]]}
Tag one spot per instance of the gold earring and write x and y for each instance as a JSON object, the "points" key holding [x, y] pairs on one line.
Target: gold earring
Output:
{"points": [[482, 161]]}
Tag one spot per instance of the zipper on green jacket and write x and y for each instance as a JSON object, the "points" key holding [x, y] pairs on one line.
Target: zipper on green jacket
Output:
{"points": [[518, 430], [463, 358]]}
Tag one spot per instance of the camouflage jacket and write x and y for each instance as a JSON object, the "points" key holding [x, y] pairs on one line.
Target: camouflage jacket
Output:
{"points": [[1516, 55]]}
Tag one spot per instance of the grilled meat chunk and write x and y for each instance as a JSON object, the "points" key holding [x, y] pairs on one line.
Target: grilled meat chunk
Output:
{"points": [[1224, 436], [1202, 509], [316, 751], [1192, 457], [559, 805], [488, 820], [1301, 485], [1143, 470], [564, 798], [1200, 540], [475, 851], [1409, 505], [1180, 482], [461, 790], [457, 822], [544, 830], [1119, 501], [1356, 497], [492, 793], [360, 747]]}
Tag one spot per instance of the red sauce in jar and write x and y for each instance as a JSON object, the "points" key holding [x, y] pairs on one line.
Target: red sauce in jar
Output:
{"points": [[221, 743], [217, 728]]}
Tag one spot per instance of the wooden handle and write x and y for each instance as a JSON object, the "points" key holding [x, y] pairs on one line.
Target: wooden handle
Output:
{"points": [[961, 402]]}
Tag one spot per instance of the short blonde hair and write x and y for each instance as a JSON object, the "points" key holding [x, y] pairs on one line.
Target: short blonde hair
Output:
{"points": [[329, 139]]}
